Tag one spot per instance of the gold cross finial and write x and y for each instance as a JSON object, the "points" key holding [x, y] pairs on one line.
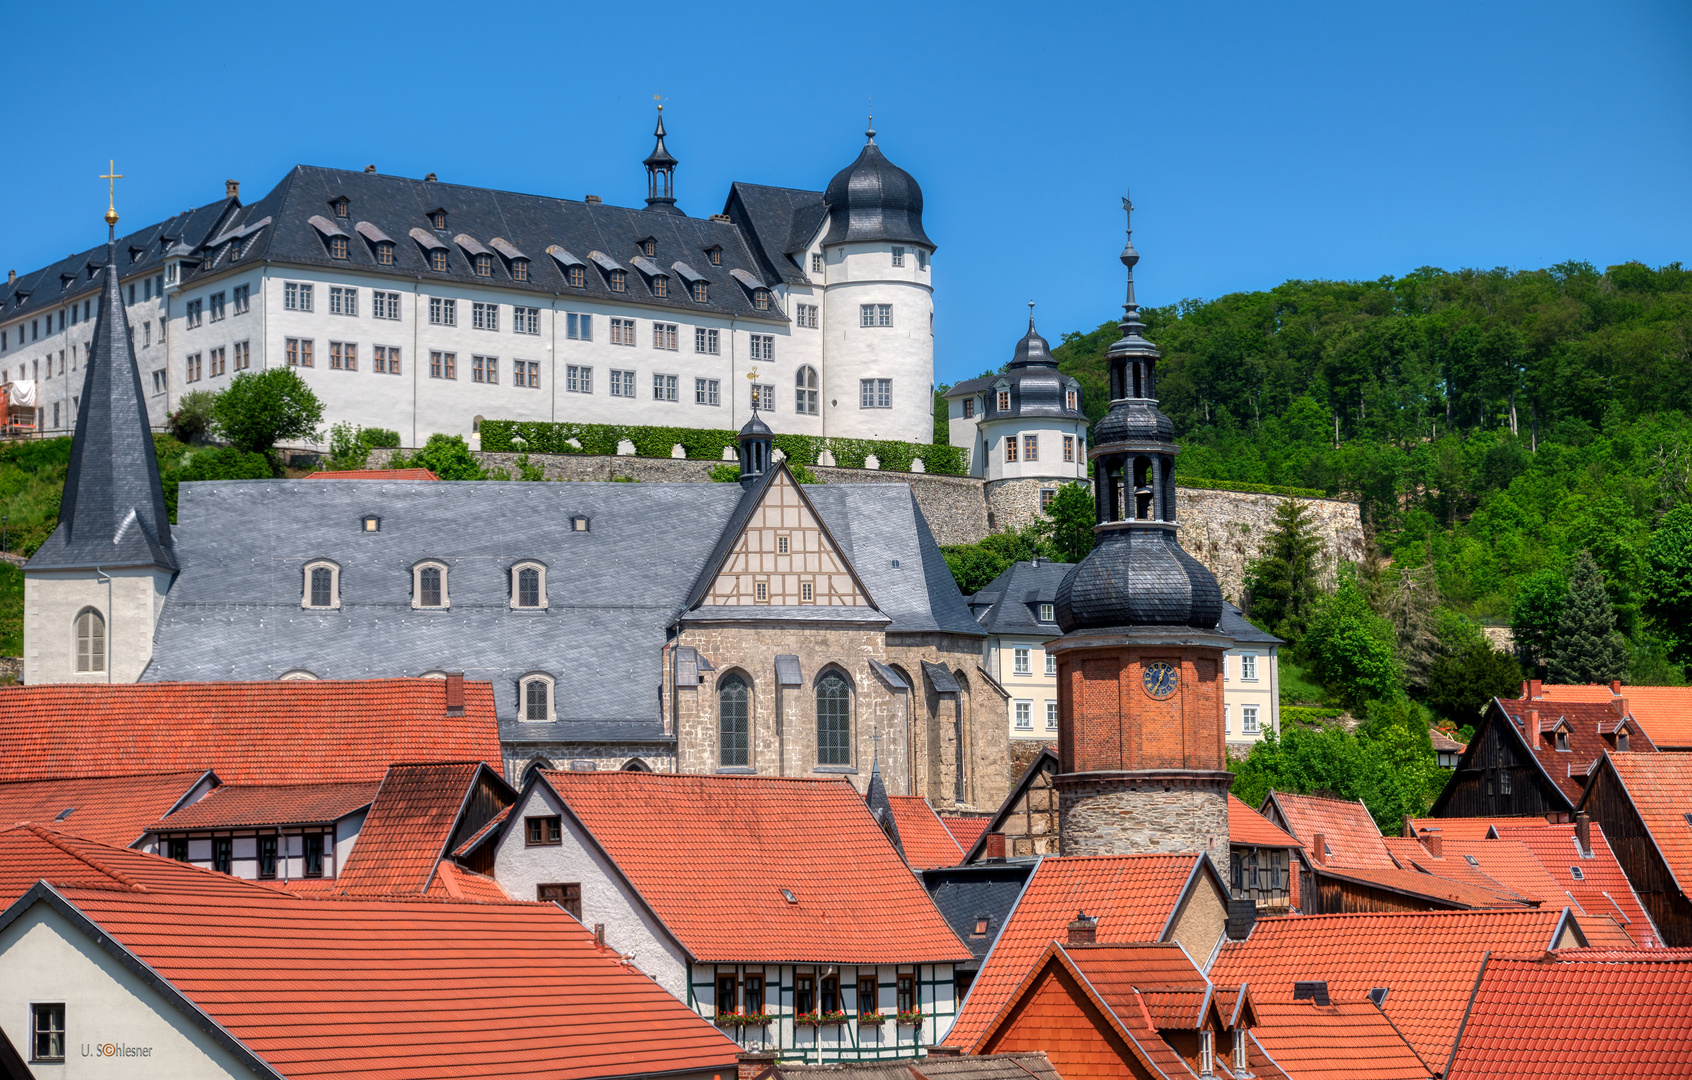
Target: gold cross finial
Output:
{"points": [[659, 98], [111, 179]]}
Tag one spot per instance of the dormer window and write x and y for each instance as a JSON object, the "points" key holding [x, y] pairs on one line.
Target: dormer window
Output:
{"points": [[520, 269], [1577, 873], [1621, 740], [701, 292], [1048, 613], [761, 299], [1562, 739], [337, 247], [429, 585], [528, 585], [437, 218], [1004, 401], [1207, 1054], [649, 248], [578, 277], [715, 254], [661, 286], [1071, 400], [484, 265], [322, 590], [619, 281], [438, 259], [340, 206], [535, 698], [385, 253]]}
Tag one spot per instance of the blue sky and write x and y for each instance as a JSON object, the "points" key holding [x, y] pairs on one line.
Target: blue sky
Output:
{"points": [[1262, 142]]}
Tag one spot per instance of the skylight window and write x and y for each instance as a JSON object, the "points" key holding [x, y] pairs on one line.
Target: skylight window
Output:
{"points": [[1471, 860], [787, 894], [1577, 873]]}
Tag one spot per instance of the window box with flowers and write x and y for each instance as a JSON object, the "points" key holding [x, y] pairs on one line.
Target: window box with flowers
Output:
{"points": [[734, 1017], [914, 1018], [818, 1018], [868, 1019]]}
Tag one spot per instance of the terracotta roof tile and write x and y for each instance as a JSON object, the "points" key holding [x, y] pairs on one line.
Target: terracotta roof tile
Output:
{"points": [[292, 732], [411, 990], [1534, 1019], [1618, 956], [966, 830], [1132, 896], [1351, 834], [455, 882], [713, 854], [1664, 712], [1660, 786], [1344, 1040], [1506, 867], [29, 853], [116, 810], [1467, 828], [1246, 826], [373, 474], [406, 832], [927, 842], [1427, 960], [1568, 768], [234, 805], [1443, 890]]}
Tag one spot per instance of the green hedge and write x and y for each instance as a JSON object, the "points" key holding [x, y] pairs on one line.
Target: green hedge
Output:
{"points": [[1250, 489], [1310, 715], [707, 444]]}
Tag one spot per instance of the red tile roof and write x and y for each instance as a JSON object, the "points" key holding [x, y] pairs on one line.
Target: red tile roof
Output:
{"points": [[1439, 891], [1534, 1019], [1352, 837], [1664, 712], [29, 853], [1247, 827], [1568, 768], [235, 805], [1427, 960], [453, 881], [1660, 786], [1134, 897], [411, 990], [373, 474], [1343, 1040], [116, 810], [294, 732], [712, 855], [1617, 956], [927, 842], [407, 830], [1467, 828], [966, 830], [1506, 866]]}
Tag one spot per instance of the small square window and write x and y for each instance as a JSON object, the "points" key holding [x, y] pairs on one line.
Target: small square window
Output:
{"points": [[47, 1035], [543, 831], [372, 523], [337, 247], [782, 542], [438, 259], [761, 591], [1048, 613]]}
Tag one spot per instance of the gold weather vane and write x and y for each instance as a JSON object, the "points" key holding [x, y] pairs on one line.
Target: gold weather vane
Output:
{"points": [[659, 98], [111, 179]]}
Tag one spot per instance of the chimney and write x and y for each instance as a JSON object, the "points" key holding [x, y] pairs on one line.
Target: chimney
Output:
{"points": [[1535, 689], [752, 1064], [1583, 834], [232, 189], [599, 933], [455, 693], [1242, 916], [430, 179], [594, 200], [1615, 686], [1409, 830], [11, 277], [1533, 724], [1621, 706], [1435, 845], [370, 168], [994, 849], [944, 1051], [723, 219], [1319, 848], [1084, 930]]}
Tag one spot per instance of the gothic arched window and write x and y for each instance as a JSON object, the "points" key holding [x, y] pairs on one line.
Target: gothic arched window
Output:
{"points": [[429, 586], [734, 722], [90, 641], [528, 585], [834, 721], [805, 394], [322, 585]]}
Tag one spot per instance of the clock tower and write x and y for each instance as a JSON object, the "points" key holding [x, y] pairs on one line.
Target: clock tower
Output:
{"points": [[1140, 665]]}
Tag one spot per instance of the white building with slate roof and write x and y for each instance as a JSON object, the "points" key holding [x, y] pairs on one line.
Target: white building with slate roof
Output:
{"points": [[422, 306]]}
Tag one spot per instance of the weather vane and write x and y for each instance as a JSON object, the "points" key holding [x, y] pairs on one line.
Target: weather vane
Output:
{"points": [[1128, 208], [111, 178], [659, 98]]}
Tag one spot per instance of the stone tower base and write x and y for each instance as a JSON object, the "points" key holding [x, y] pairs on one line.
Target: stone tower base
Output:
{"points": [[1133, 813]]}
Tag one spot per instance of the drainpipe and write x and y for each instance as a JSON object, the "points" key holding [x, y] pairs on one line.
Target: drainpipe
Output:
{"points": [[416, 358]]}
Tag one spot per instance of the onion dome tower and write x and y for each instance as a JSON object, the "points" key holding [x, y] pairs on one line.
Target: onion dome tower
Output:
{"points": [[1140, 665], [661, 174], [874, 200], [755, 440]]}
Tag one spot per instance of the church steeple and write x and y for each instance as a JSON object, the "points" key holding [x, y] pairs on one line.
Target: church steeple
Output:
{"points": [[755, 439], [661, 173]]}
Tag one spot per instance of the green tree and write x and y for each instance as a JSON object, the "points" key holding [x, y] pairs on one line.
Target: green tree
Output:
{"points": [[1459, 686], [196, 412], [260, 409], [1393, 771], [1349, 647], [1536, 616], [974, 566], [1668, 581], [942, 416], [447, 456], [1281, 583], [214, 463], [1407, 597], [1068, 527], [1588, 648], [347, 451]]}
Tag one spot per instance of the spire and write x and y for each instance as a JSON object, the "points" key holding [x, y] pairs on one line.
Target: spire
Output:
{"points": [[113, 511], [660, 172], [880, 806], [755, 439]]}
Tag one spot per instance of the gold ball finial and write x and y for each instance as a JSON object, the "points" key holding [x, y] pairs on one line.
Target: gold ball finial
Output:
{"points": [[112, 216]]}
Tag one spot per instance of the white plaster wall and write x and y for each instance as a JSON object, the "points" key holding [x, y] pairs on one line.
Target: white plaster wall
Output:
{"points": [[225, 332], [44, 958], [858, 274], [966, 432], [1037, 687], [992, 436], [630, 928], [130, 604], [1263, 692]]}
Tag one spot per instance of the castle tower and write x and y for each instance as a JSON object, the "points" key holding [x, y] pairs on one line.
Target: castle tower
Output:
{"points": [[878, 308], [93, 591], [1140, 735], [661, 174]]}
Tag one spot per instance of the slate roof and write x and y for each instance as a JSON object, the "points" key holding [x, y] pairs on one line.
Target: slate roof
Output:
{"points": [[967, 894], [410, 827], [291, 732], [31, 853], [112, 810], [373, 474], [533, 224], [779, 223], [1035, 384], [612, 591], [1237, 626], [1549, 1019], [1249, 828], [404, 990], [1009, 604], [236, 805], [1664, 712], [1134, 898], [922, 834], [1343, 1040], [710, 855], [1660, 788], [873, 200], [1352, 837], [1428, 961]]}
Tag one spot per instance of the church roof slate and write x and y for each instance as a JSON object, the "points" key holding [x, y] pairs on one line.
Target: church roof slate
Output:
{"points": [[612, 591], [1015, 594], [779, 223]]}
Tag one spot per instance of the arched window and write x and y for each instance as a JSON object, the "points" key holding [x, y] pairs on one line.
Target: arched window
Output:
{"points": [[536, 764], [834, 720], [805, 395], [90, 641], [322, 585], [734, 722], [429, 586], [528, 585], [634, 764], [534, 702], [297, 675]]}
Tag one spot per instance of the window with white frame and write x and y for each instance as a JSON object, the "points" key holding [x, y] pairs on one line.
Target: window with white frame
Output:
{"points": [[296, 296], [1025, 716], [484, 369], [536, 698], [805, 391], [443, 311], [384, 305], [1023, 660], [807, 316], [1227, 720], [525, 320], [1048, 612], [622, 331], [898, 256], [622, 383], [663, 387], [763, 346], [1051, 716], [706, 392], [875, 314], [578, 327], [664, 336], [1248, 667], [816, 262], [1051, 664], [526, 373], [578, 379], [322, 586], [429, 585], [1248, 720], [706, 341], [875, 393], [763, 396], [528, 585], [90, 630], [343, 301], [484, 316]]}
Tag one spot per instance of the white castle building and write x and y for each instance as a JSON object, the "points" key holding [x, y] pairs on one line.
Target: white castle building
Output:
{"points": [[423, 307]]}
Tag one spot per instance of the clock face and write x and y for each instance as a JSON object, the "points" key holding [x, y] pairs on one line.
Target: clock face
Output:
{"points": [[1159, 679]]}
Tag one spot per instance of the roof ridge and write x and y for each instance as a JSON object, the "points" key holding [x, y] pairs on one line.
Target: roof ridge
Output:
{"points": [[54, 838]]}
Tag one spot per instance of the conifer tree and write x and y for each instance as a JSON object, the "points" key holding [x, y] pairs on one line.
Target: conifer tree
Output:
{"points": [[1587, 648], [1281, 583]]}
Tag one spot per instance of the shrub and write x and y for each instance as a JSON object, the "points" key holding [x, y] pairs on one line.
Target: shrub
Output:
{"points": [[378, 437], [260, 409], [447, 456], [195, 415], [347, 450], [217, 463]]}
